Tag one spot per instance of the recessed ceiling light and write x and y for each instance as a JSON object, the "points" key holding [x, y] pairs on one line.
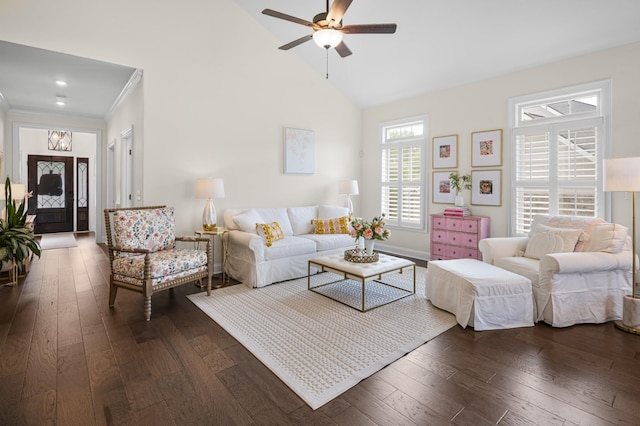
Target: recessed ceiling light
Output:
{"points": [[60, 100], [61, 83]]}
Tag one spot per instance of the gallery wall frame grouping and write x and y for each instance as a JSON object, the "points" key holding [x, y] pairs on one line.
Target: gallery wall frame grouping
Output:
{"points": [[486, 151]]}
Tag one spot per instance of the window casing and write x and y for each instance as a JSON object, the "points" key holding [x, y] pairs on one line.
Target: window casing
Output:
{"points": [[402, 173], [558, 142]]}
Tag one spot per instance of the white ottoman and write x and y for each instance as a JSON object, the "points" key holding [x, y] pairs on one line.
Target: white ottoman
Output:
{"points": [[479, 294]]}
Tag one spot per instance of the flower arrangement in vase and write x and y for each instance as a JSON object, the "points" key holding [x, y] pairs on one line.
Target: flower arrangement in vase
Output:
{"points": [[459, 182], [368, 232]]}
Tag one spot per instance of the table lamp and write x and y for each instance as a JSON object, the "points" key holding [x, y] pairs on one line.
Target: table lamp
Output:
{"points": [[623, 175], [348, 188], [209, 188]]}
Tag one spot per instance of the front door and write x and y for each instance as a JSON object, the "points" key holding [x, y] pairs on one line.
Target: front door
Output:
{"points": [[51, 180]]}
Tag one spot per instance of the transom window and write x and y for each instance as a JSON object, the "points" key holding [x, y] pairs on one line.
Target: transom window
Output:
{"points": [[402, 173], [558, 142]]}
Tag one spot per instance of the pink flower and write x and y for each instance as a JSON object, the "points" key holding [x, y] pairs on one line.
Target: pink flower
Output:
{"points": [[368, 233]]}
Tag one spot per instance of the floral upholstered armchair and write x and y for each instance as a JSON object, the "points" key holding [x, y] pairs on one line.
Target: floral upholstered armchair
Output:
{"points": [[144, 257]]}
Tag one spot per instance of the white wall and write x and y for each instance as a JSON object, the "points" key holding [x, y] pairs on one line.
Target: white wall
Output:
{"points": [[483, 106], [217, 95]]}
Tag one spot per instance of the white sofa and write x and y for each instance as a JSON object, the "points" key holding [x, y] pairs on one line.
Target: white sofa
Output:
{"points": [[251, 261], [577, 277]]}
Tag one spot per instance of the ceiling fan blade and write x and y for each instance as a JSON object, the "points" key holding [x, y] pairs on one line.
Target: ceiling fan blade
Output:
{"points": [[294, 43], [370, 29], [343, 50], [337, 11], [289, 18]]}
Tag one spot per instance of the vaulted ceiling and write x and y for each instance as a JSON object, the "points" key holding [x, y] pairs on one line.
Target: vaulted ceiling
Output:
{"points": [[438, 44]]}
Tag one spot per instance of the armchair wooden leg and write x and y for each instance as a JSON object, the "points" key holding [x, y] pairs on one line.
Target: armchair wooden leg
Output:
{"points": [[113, 290], [147, 308]]}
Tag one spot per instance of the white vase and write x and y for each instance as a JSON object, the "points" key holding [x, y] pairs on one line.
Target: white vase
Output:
{"points": [[459, 200], [368, 245], [360, 245]]}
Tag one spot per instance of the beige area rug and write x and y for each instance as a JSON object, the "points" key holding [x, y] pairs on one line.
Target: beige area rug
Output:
{"points": [[320, 348], [60, 240]]}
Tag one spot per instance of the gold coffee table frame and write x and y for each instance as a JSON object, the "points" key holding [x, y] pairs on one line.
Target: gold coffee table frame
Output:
{"points": [[361, 272]]}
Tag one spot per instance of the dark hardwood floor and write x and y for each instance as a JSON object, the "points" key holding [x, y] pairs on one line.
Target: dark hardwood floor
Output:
{"points": [[66, 358]]}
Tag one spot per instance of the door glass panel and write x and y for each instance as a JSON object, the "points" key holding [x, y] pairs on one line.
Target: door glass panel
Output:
{"points": [[83, 199], [51, 185]]}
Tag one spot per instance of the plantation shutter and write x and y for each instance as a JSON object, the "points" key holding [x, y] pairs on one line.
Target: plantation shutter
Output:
{"points": [[402, 174], [557, 171]]}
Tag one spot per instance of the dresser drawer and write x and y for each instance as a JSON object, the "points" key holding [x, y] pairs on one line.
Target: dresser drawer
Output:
{"points": [[468, 240], [438, 251], [438, 222], [439, 236], [454, 224], [454, 252]]}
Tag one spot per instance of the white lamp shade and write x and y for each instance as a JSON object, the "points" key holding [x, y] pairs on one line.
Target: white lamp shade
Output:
{"points": [[209, 188], [327, 38], [622, 174], [348, 187]]}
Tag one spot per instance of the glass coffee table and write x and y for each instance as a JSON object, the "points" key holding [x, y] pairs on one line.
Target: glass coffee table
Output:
{"points": [[362, 286]]}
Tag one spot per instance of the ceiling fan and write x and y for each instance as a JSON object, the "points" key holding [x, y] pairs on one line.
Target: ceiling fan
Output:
{"points": [[328, 29]]}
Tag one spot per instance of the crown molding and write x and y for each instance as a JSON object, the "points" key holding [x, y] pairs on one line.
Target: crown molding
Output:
{"points": [[126, 91]]}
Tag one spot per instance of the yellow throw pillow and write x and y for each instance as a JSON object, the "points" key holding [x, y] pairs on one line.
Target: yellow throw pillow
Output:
{"points": [[338, 225], [269, 232]]}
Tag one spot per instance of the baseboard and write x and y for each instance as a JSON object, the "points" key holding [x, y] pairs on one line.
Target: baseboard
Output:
{"points": [[401, 251]]}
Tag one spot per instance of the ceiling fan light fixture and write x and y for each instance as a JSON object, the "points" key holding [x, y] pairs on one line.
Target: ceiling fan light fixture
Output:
{"points": [[327, 38]]}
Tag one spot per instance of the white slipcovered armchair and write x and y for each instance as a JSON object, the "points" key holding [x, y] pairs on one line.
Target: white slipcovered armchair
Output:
{"points": [[580, 268]]}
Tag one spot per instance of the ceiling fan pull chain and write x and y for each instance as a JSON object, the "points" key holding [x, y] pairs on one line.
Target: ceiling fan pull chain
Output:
{"points": [[327, 52]]}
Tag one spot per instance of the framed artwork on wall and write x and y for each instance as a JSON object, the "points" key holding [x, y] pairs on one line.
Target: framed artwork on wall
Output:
{"points": [[442, 191], [486, 148], [299, 151], [445, 152], [486, 187]]}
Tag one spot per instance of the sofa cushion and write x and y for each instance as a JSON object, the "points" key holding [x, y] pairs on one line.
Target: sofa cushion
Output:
{"points": [[247, 220], [328, 212], [289, 247], [276, 214], [546, 239], [607, 237], [337, 225], [269, 232], [524, 266], [301, 217], [567, 222], [153, 230], [330, 241]]}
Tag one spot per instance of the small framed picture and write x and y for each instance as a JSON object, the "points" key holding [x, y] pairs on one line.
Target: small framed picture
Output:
{"points": [[442, 190], [486, 148], [445, 152], [486, 187]]}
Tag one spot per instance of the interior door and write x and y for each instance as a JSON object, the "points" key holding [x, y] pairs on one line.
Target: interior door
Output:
{"points": [[51, 180]]}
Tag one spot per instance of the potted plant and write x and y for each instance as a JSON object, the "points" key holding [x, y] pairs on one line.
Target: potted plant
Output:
{"points": [[17, 242], [459, 182]]}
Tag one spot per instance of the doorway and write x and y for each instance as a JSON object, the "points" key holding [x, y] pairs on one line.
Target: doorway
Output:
{"points": [[51, 180]]}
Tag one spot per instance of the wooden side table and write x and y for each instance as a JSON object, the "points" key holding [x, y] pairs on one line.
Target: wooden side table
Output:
{"points": [[223, 234]]}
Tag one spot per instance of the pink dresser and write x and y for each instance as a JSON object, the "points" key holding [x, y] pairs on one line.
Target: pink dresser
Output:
{"points": [[457, 237]]}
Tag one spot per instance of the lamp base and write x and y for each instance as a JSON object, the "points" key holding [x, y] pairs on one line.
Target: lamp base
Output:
{"points": [[630, 315], [619, 324], [209, 227]]}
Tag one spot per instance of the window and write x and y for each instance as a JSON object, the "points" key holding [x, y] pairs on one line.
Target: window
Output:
{"points": [[558, 142], [402, 181]]}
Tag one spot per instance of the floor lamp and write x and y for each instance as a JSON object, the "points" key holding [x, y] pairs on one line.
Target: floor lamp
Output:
{"points": [[623, 175], [348, 188]]}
